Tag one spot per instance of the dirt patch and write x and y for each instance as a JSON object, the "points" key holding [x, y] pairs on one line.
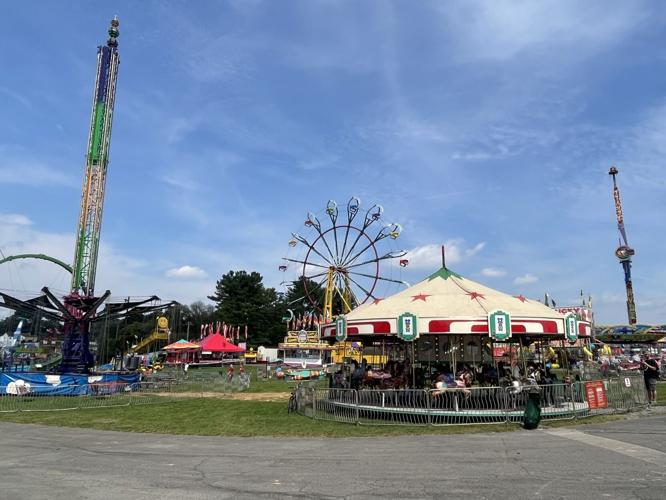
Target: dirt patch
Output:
{"points": [[239, 396]]}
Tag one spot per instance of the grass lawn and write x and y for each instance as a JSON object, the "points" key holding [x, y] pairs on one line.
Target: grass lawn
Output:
{"points": [[221, 417], [225, 417], [661, 393]]}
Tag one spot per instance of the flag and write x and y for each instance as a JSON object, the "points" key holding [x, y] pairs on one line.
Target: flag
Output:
{"points": [[237, 333], [246, 333]]}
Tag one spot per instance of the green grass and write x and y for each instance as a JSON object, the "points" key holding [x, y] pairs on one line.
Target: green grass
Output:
{"points": [[220, 417], [661, 394]]}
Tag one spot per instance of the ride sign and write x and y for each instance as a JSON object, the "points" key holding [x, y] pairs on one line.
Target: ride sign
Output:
{"points": [[595, 393], [571, 327], [341, 328], [499, 325], [408, 327]]}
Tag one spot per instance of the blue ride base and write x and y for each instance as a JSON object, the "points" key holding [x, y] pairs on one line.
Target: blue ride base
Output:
{"points": [[66, 384]]}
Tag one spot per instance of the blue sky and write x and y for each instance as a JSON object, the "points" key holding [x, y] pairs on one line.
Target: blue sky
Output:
{"points": [[486, 126]]}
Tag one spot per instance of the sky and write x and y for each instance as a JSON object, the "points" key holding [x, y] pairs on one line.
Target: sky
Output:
{"points": [[487, 127]]}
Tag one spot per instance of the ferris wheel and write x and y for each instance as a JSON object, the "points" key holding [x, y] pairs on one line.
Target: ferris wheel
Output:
{"points": [[346, 258]]}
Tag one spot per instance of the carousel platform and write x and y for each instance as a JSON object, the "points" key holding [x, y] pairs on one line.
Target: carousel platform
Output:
{"points": [[422, 407]]}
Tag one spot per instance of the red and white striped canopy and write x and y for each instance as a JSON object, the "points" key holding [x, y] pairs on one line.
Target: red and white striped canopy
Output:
{"points": [[447, 303]]}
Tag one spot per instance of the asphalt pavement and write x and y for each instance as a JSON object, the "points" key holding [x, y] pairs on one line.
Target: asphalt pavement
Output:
{"points": [[622, 459]]}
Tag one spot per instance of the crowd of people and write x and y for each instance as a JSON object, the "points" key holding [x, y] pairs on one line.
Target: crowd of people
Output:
{"points": [[510, 372]]}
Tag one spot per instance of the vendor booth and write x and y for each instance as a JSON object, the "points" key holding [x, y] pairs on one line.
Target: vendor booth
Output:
{"points": [[215, 348], [181, 352]]}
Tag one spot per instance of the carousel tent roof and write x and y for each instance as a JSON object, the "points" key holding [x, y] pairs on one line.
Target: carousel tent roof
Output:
{"points": [[180, 345], [446, 302], [217, 343], [446, 293]]}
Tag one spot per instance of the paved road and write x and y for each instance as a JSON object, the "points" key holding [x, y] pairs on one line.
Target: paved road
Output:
{"points": [[625, 459]]}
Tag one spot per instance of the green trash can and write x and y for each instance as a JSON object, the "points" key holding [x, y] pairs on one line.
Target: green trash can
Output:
{"points": [[532, 415]]}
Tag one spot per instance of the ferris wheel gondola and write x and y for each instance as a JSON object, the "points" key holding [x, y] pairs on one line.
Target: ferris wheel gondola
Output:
{"points": [[345, 260]]}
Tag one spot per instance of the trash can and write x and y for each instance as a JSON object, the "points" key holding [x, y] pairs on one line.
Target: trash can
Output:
{"points": [[532, 415]]}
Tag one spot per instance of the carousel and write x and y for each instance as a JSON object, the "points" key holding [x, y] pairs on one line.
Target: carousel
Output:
{"points": [[449, 332]]}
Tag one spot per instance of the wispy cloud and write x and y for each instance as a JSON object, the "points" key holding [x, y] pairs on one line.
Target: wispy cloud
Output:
{"points": [[493, 272], [503, 30], [18, 97], [430, 256], [525, 279], [35, 174], [16, 219]]}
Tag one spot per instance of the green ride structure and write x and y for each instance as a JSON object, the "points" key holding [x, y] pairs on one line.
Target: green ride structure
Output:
{"points": [[80, 308]]}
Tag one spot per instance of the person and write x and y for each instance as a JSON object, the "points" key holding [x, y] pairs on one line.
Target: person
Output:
{"points": [[650, 375], [339, 380], [515, 370], [230, 373], [356, 375], [186, 367]]}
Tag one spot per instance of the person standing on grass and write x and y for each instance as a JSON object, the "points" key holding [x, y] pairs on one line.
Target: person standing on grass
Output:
{"points": [[650, 374]]}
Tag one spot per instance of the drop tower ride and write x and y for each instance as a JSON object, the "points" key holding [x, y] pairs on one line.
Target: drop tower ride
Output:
{"points": [[624, 252], [97, 160], [79, 307]]}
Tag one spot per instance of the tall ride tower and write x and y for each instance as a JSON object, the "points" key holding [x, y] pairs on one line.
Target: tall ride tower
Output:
{"points": [[624, 252], [97, 160]]}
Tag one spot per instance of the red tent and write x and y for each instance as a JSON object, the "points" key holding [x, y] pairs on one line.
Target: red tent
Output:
{"points": [[217, 343]]}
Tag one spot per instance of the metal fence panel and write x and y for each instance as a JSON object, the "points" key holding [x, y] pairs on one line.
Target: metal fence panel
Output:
{"points": [[473, 405], [393, 407], [340, 405], [87, 396], [559, 402]]}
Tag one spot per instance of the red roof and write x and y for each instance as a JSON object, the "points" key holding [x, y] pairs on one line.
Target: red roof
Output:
{"points": [[217, 343]]}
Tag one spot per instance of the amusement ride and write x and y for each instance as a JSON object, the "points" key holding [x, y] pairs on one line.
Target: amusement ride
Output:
{"points": [[80, 308], [344, 257], [624, 252]]}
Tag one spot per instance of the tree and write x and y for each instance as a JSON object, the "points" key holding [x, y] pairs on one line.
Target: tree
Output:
{"points": [[241, 299], [196, 314], [297, 299], [301, 302]]}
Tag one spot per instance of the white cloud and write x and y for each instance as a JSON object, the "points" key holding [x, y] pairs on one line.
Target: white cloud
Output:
{"points": [[502, 30], [186, 272], [430, 256], [35, 174], [15, 219], [525, 279], [123, 274], [493, 272]]}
